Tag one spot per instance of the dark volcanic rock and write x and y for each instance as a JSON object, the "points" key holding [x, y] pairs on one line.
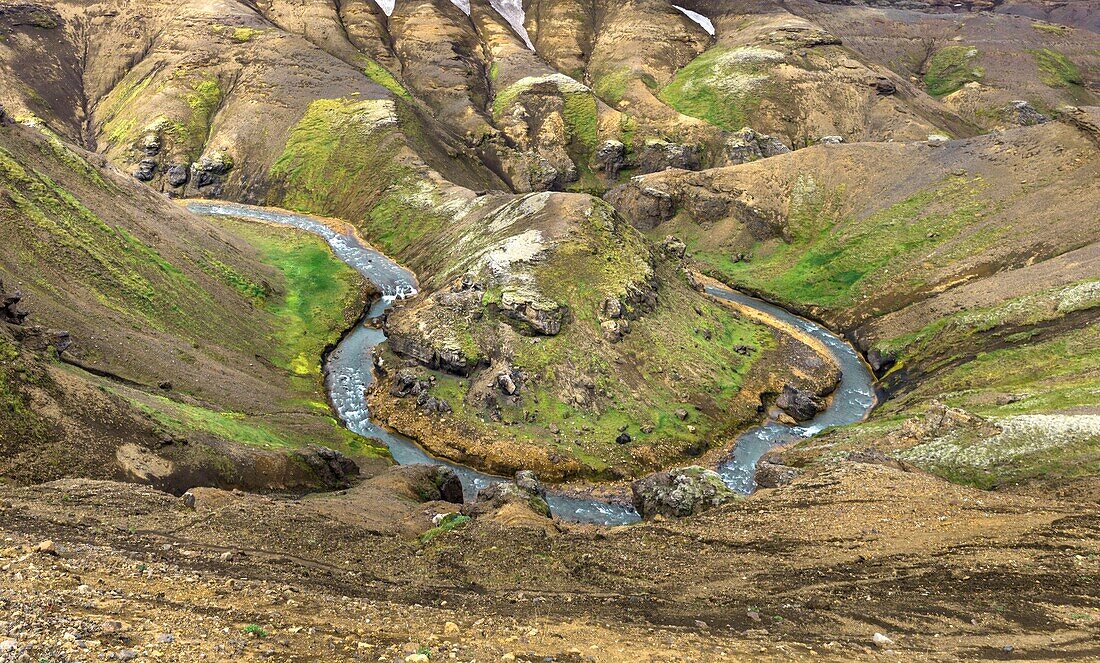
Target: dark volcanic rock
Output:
{"points": [[146, 170], [331, 467], [681, 492], [178, 174], [610, 157], [658, 155], [801, 405], [749, 145], [432, 483], [9, 311], [210, 168]]}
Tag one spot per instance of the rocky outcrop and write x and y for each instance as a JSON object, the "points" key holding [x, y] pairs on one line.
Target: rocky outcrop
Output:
{"points": [[799, 404], [523, 495], [773, 475], [610, 157], [211, 168], [748, 145], [658, 155], [407, 384], [431, 483], [331, 468], [643, 206], [9, 306], [681, 492]]}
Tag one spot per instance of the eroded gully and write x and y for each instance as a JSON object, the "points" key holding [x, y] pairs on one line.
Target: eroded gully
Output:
{"points": [[349, 372]]}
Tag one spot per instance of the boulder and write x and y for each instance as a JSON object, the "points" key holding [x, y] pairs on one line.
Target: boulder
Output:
{"points": [[773, 475], [146, 170], [658, 155], [681, 492], [177, 174], [881, 360], [749, 145], [831, 140], [431, 483], [883, 86], [799, 404], [211, 168], [610, 157], [525, 494], [674, 247], [332, 468], [9, 311]]}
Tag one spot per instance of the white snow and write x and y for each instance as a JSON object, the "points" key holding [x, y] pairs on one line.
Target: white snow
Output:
{"points": [[386, 6], [512, 11], [464, 5], [703, 21]]}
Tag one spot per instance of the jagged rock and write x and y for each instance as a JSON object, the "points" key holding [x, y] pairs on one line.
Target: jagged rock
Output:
{"points": [[542, 317], [431, 483], [612, 308], [623, 438], [150, 144], [674, 247], [506, 382], [178, 174], [773, 475], [658, 155], [614, 330], [146, 170], [681, 414], [941, 420], [644, 207], [748, 145], [800, 405], [429, 404], [877, 457], [681, 492], [1023, 114], [529, 481], [406, 383], [210, 168], [333, 468], [881, 360], [884, 87], [610, 157], [528, 497], [9, 311], [831, 140]]}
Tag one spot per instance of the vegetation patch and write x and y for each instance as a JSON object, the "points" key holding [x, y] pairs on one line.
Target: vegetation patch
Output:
{"points": [[449, 523], [950, 68], [1055, 69], [833, 261], [383, 77], [722, 86]]}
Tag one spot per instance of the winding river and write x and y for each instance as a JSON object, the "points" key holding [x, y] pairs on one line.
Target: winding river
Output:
{"points": [[349, 371]]}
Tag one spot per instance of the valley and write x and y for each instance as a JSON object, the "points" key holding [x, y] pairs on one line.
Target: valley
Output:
{"points": [[549, 330]]}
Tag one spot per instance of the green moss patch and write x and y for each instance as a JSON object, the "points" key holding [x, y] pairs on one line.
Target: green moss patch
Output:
{"points": [[834, 260], [1055, 69], [951, 68], [722, 86]]}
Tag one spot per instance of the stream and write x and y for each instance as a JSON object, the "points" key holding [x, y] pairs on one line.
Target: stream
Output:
{"points": [[349, 371]]}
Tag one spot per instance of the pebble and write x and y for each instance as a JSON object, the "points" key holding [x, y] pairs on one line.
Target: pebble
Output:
{"points": [[126, 655], [451, 628], [165, 638], [881, 640], [417, 658], [8, 645]]}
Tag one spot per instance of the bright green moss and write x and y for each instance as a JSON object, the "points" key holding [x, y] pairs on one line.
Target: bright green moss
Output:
{"points": [[383, 77], [722, 86], [579, 111], [1055, 69], [612, 86], [951, 68]]}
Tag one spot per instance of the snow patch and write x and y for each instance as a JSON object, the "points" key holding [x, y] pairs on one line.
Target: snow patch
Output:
{"points": [[386, 6], [464, 5], [703, 21], [512, 11]]}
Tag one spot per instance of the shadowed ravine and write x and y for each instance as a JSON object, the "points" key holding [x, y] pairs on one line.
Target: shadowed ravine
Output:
{"points": [[349, 372]]}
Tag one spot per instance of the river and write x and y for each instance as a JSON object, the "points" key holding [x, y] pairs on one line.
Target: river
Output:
{"points": [[349, 371]]}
